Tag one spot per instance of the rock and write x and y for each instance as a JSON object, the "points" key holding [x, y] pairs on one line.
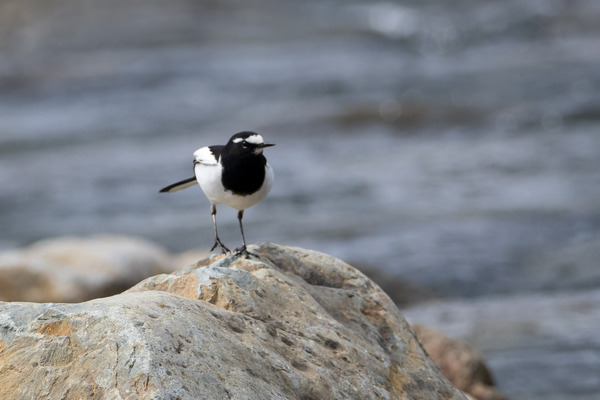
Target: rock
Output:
{"points": [[295, 324], [78, 269], [459, 363]]}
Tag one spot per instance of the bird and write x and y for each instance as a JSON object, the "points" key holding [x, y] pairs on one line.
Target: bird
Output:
{"points": [[235, 174]]}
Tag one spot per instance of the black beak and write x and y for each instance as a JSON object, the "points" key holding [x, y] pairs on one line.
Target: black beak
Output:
{"points": [[262, 146]]}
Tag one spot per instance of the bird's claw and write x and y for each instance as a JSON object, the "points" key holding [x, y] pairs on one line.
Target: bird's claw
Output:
{"points": [[218, 243], [244, 251]]}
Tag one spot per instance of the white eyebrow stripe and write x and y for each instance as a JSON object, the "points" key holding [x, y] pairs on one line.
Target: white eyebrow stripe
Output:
{"points": [[255, 139]]}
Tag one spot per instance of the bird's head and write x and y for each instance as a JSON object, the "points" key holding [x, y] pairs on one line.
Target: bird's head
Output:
{"points": [[247, 143]]}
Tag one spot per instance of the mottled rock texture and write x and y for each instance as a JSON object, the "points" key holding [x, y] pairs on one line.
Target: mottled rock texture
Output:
{"points": [[294, 324]]}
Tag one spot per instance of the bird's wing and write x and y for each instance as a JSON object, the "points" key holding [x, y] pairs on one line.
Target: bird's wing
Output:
{"points": [[184, 184], [208, 155], [204, 155]]}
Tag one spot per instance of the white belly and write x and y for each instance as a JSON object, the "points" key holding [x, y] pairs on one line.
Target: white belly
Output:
{"points": [[209, 179]]}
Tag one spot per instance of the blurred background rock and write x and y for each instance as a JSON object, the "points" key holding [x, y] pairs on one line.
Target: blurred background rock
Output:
{"points": [[79, 269], [453, 146]]}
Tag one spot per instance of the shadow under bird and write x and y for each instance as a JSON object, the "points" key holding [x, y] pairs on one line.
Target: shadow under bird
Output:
{"points": [[236, 174]]}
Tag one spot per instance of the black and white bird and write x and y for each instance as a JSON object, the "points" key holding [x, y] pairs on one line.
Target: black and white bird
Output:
{"points": [[236, 174]]}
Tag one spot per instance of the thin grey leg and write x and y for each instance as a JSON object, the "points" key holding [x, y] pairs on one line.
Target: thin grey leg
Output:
{"points": [[213, 213], [243, 249], [240, 216]]}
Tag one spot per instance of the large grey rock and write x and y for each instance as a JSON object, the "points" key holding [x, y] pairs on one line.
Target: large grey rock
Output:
{"points": [[69, 269], [295, 324]]}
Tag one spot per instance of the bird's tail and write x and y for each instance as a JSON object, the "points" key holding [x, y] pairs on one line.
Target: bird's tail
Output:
{"points": [[184, 184]]}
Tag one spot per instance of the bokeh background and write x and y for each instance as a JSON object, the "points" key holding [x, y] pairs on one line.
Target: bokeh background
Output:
{"points": [[449, 148]]}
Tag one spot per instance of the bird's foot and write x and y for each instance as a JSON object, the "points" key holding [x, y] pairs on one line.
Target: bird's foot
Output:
{"points": [[244, 251], [218, 243]]}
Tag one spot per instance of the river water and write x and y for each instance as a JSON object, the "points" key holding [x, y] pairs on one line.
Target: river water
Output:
{"points": [[453, 145]]}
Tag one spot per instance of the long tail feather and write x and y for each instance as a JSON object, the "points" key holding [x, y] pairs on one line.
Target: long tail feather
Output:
{"points": [[184, 184]]}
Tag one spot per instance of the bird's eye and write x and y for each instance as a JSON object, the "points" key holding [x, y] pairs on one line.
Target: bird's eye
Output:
{"points": [[244, 144]]}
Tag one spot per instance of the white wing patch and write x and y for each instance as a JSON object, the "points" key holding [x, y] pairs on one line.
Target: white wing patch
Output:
{"points": [[254, 139], [204, 156]]}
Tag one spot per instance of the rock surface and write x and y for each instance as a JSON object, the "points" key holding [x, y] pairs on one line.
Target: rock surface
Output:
{"points": [[295, 324], [77, 269]]}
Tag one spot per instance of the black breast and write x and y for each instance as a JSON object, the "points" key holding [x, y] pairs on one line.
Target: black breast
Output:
{"points": [[244, 176]]}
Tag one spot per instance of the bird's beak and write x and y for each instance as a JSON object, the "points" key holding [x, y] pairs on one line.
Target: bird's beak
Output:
{"points": [[262, 146]]}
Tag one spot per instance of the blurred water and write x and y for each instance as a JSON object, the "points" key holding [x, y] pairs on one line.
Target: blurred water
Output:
{"points": [[451, 144]]}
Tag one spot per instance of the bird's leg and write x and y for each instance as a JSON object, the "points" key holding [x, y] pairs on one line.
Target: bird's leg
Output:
{"points": [[243, 250], [213, 212]]}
